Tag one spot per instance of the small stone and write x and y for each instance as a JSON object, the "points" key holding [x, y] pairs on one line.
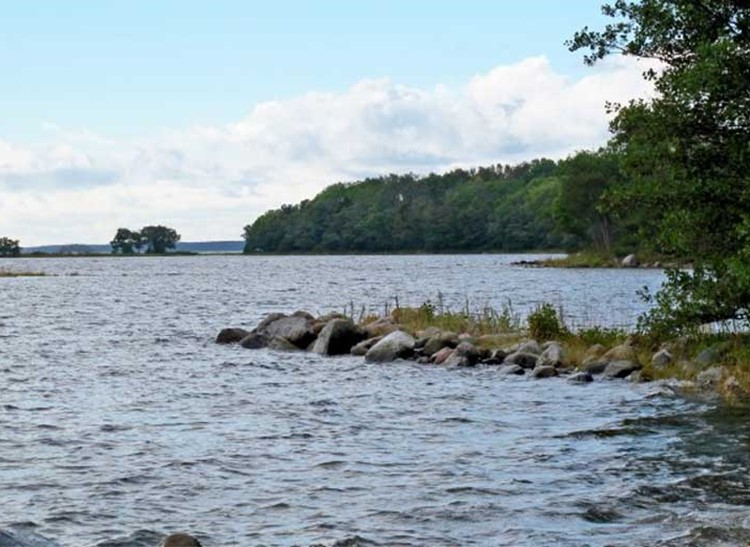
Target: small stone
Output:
{"points": [[544, 371]]}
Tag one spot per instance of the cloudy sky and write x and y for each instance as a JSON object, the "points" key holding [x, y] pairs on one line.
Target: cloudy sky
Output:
{"points": [[202, 115]]}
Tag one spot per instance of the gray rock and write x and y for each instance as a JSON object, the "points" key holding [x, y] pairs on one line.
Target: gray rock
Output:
{"points": [[711, 376], [630, 261], [231, 335], [380, 327], [639, 377], [361, 348], [298, 330], [180, 540], [304, 314], [620, 369], [270, 318], [661, 358], [530, 346], [439, 341], [623, 352], [581, 378], [338, 337], [255, 340], [496, 357], [18, 537], [465, 355], [281, 344], [544, 371], [594, 367], [707, 357], [525, 360], [511, 369], [396, 345], [553, 355]]}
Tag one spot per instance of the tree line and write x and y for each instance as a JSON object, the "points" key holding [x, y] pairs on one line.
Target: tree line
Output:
{"points": [[9, 247], [541, 204]]}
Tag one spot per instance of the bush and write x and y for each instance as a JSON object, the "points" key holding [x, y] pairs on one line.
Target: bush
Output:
{"points": [[545, 323]]}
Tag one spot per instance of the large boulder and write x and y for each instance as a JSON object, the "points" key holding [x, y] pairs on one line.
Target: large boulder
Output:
{"points": [[593, 354], [281, 344], [553, 355], [439, 341], [530, 346], [231, 335], [661, 358], [594, 367], [361, 349], [298, 330], [255, 340], [380, 327], [630, 261], [621, 369], [544, 371], [338, 337], [397, 345], [465, 355], [522, 359], [623, 352]]}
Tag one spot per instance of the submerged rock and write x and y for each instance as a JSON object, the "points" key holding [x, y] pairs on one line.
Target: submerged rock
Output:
{"points": [[397, 345], [231, 335], [581, 378], [255, 340], [511, 369], [544, 371], [180, 540]]}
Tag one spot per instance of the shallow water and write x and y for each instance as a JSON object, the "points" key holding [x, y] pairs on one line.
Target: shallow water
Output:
{"points": [[120, 419]]}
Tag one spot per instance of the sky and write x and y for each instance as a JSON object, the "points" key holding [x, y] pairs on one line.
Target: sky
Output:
{"points": [[203, 115]]}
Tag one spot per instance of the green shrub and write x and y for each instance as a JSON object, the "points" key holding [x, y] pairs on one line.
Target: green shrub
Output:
{"points": [[545, 323]]}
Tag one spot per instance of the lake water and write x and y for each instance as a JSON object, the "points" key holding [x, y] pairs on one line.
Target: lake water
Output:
{"points": [[121, 420]]}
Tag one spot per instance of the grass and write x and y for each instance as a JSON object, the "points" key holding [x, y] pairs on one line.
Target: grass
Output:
{"points": [[4, 272]]}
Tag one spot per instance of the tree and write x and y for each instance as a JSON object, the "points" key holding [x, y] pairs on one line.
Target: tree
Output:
{"points": [[685, 153], [125, 241], [159, 238], [9, 247]]}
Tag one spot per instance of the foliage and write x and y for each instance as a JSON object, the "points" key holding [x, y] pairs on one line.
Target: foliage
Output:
{"points": [[685, 153], [545, 323], [499, 208], [156, 239], [600, 335], [484, 321], [9, 247]]}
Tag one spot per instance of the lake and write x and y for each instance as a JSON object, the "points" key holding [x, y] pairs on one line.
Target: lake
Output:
{"points": [[121, 420]]}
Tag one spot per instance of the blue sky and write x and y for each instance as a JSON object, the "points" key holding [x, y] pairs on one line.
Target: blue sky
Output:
{"points": [[220, 110]]}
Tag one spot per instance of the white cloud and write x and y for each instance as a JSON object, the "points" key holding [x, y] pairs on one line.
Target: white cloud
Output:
{"points": [[208, 182]]}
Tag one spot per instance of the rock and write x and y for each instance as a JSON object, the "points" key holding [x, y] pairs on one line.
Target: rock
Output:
{"points": [[581, 378], [544, 371], [270, 318], [304, 314], [428, 333], [396, 345], [281, 344], [525, 360], [255, 340], [623, 352], [423, 360], [594, 367], [441, 356], [231, 335], [732, 386], [553, 355], [593, 354], [707, 357], [530, 346], [361, 348], [180, 540], [18, 537], [511, 369], [380, 327], [639, 377], [298, 330], [496, 357], [338, 337], [465, 355], [620, 369], [630, 261], [661, 358], [440, 341], [711, 376]]}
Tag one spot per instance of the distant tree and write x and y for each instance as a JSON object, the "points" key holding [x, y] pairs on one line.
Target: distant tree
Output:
{"points": [[158, 239], [9, 247], [125, 241]]}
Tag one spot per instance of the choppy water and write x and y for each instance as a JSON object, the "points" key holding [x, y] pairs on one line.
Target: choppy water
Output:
{"points": [[120, 420]]}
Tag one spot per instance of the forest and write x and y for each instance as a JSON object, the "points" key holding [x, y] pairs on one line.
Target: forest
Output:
{"points": [[541, 204]]}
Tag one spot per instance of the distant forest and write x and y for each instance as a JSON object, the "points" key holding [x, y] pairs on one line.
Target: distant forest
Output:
{"points": [[534, 205]]}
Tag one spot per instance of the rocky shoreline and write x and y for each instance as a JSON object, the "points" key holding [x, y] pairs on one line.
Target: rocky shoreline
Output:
{"points": [[384, 340]]}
